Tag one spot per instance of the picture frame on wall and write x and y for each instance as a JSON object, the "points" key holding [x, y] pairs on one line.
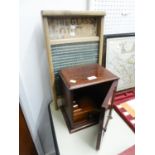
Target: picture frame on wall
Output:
{"points": [[119, 58]]}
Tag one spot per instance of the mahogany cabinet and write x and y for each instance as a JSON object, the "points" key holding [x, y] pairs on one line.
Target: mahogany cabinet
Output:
{"points": [[88, 92]]}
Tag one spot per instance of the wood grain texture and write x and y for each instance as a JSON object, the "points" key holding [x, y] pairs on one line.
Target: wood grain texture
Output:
{"points": [[72, 13], [51, 69], [78, 127], [26, 145], [81, 73], [84, 95], [74, 40], [108, 98], [129, 109], [100, 33], [100, 131], [103, 123]]}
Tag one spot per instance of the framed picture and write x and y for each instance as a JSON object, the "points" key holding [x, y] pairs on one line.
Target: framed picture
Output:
{"points": [[119, 58]]}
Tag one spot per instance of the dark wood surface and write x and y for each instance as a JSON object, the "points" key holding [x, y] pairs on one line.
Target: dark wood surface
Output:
{"points": [[78, 127], [81, 73], [103, 126], [85, 100], [26, 145], [101, 129], [109, 96]]}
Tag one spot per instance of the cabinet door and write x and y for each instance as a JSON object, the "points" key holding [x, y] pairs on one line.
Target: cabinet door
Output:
{"points": [[109, 96], [103, 123], [105, 114]]}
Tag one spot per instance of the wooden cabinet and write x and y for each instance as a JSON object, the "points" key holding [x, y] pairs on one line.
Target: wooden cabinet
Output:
{"points": [[88, 92]]}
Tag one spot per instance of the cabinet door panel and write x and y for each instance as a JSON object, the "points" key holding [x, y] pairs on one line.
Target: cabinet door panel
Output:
{"points": [[105, 114], [104, 120], [108, 99]]}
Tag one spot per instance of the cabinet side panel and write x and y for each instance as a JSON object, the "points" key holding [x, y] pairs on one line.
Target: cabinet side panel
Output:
{"points": [[67, 103]]}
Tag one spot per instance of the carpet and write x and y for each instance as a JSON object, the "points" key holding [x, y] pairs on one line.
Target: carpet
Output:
{"points": [[129, 151], [124, 105]]}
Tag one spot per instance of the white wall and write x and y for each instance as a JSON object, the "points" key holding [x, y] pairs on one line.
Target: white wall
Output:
{"points": [[34, 76], [119, 15]]}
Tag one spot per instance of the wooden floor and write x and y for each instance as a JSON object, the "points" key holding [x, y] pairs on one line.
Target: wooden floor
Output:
{"points": [[26, 145]]}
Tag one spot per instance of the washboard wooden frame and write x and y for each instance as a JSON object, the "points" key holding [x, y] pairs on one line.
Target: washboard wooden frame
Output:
{"points": [[48, 15]]}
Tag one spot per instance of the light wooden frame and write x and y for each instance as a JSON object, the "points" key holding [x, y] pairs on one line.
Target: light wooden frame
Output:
{"points": [[99, 15]]}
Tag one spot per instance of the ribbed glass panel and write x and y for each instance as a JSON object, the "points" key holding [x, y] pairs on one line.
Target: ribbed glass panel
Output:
{"points": [[72, 54]]}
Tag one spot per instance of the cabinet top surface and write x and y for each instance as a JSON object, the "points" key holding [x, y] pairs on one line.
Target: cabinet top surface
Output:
{"points": [[85, 75]]}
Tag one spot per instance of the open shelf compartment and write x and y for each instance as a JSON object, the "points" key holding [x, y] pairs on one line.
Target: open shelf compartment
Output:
{"points": [[86, 103]]}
